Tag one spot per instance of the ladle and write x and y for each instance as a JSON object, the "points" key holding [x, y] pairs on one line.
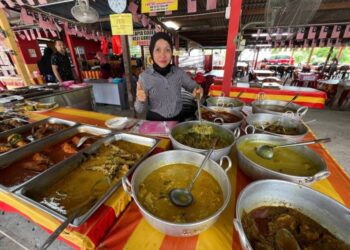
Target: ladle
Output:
{"points": [[285, 240], [266, 151], [198, 98], [293, 99], [183, 197]]}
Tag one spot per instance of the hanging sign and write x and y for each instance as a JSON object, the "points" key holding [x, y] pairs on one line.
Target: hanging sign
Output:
{"points": [[142, 37], [121, 24], [148, 6]]}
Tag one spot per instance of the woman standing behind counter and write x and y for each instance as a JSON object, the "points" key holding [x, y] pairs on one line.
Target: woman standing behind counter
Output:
{"points": [[159, 88]]}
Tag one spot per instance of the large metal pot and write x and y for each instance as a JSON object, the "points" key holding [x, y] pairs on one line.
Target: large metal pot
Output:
{"points": [[228, 103], [223, 132], [262, 106], [257, 172], [175, 157], [327, 212], [219, 120], [286, 121]]}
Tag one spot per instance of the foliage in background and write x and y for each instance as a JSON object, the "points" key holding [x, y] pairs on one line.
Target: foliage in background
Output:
{"points": [[319, 55]]}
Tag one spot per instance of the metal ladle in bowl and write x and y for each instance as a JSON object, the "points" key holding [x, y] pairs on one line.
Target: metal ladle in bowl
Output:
{"points": [[266, 151], [183, 197]]}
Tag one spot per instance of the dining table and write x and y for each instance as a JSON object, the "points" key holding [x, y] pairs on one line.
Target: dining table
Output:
{"points": [[118, 223]]}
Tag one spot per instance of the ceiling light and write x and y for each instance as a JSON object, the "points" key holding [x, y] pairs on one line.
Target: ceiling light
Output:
{"points": [[171, 25], [263, 45], [266, 34]]}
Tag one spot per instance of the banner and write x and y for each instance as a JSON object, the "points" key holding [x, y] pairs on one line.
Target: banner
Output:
{"points": [[121, 24], [142, 37], [191, 6], [336, 31], [312, 33], [148, 6]]}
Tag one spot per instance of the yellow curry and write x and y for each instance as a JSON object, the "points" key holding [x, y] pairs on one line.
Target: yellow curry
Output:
{"points": [[285, 160], [154, 193]]}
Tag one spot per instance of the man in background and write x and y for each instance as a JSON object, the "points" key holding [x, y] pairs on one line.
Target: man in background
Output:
{"points": [[61, 65]]}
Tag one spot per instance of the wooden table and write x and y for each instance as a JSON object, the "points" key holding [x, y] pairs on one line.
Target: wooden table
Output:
{"points": [[309, 97], [131, 231]]}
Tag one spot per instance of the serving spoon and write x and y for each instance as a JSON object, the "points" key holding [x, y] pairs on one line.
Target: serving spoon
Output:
{"points": [[293, 99], [266, 151], [284, 239], [183, 197]]}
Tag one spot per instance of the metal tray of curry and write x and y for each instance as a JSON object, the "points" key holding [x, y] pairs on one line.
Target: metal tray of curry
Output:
{"points": [[16, 139], [62, 190], [32, 161]]}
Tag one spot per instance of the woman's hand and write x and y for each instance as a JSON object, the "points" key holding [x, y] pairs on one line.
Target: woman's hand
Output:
{"points": [[140, 93], [197, 91]]}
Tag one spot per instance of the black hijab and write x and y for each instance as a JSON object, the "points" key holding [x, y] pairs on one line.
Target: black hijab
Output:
{"points": [[154, 39]]}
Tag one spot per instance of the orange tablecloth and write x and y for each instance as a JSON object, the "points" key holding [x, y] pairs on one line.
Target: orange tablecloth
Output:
{"points": [[131, 231], [312, 99]]}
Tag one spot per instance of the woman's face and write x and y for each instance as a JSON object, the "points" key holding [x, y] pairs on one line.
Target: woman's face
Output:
{"points": [[162, 53]]}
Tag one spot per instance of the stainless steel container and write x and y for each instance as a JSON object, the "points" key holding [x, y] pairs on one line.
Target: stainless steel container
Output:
{"points": [[261, 106], [228, 103], [27, 128], [218, 153], [52, 175], [13, 156], [286, 121], [256, 171], [172, 157], [327, 212], [232, 125]]}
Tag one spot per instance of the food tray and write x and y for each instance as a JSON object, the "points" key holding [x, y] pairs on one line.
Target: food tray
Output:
{"points": [[27, 128], [45, 143], [52, 175]]}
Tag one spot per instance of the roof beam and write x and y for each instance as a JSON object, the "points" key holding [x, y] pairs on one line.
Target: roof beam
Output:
{"points": [[323, 6], [197, 16]]}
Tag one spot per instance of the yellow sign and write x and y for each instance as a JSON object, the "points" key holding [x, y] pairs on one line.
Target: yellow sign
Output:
{"points": [[148, 6], [121, 24]]}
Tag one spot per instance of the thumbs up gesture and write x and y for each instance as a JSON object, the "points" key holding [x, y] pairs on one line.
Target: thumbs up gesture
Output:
{"points": [[140, 93]]}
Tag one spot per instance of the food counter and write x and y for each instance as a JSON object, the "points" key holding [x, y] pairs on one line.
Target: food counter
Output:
{"points": [[130, 230], [309, 97]]}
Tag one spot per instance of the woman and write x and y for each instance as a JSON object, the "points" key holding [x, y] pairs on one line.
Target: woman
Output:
{"points": [[105, 67], [159, 88], [44, 65]]}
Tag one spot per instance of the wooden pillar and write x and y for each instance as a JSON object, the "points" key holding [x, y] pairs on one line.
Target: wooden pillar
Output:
{"points": [[291, 56], [340, 52], [310, 55], [177, 48], [11, 44], [73, 56], [127, 68], [143, 57], [256, 59], [233, 26]]}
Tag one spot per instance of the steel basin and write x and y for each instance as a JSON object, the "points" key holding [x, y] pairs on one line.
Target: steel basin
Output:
{"points": [[232, 125], [258, 107], [233, 103], [263, 118], [327, 212], [218, 153], [172, 157], [257, 172]]}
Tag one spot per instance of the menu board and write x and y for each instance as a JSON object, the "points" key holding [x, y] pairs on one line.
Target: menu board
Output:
{"points": [[121, 24], [148, 6], [142, 37]]}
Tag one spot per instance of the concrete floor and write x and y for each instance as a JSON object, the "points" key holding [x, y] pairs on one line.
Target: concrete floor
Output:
{"points": [[16, 232]]}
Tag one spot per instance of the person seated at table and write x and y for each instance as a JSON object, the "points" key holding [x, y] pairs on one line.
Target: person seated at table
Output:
{"points": [[159, 87], [105, 67], [333, 67]]}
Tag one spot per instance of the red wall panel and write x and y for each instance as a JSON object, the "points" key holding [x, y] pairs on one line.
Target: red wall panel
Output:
{"points": [[24, 46], [90, 46]]}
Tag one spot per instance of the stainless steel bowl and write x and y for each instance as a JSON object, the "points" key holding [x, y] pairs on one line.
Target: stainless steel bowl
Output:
{"points": [[261, 106], [172, 157], [230, 103], [257, 172], [232, 125], [264, 118], [327, 212], [223, 132]]}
